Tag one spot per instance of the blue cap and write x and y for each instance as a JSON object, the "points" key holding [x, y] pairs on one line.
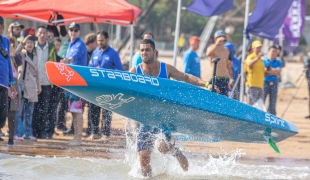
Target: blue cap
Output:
{"points": [[219, 33]]}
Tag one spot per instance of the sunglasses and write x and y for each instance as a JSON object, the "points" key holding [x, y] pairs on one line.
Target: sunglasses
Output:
{"points": [[75, 30]]}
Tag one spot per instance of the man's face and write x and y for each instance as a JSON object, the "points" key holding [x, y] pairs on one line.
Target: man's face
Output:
{"points": [[57, 45], [147, 53], [16, 31], [195, 45], [74, 33], [92, 46], [257, 50], [42, 35], [220, 40], [102, 41], [272, 53]]}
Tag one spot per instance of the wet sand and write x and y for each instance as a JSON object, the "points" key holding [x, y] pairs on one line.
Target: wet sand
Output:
{"points": [[297, 147]]}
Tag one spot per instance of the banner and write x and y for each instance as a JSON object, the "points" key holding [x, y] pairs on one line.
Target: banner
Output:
{"points": [[210, 7], [293, 25], [267, 18]]}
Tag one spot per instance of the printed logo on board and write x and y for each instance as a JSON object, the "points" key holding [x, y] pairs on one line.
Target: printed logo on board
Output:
{"points": [[271, 119], [113, 101], [64, 71]]}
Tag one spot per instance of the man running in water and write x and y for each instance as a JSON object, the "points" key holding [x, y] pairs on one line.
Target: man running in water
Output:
{"points": [[145, 137]]}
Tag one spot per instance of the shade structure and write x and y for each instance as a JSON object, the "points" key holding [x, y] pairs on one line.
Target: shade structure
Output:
{"points": [[45, 11]]}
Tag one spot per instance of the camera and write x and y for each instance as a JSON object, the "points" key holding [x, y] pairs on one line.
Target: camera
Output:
{"points": [[4, 53], [33, 38]]}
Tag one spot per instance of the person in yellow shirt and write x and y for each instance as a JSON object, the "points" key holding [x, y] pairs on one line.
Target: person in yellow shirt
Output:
{"points": [[181, 43], [255, 73]]}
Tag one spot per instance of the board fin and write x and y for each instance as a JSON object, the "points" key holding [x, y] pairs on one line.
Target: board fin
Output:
{"points": [[270, 141]]}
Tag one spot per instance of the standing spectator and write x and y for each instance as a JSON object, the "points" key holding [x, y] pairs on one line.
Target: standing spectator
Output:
{"points": [[28, 77], [45, 52], [255, 73], [236, 66], [181, 44], [272, 71], [104, 57], [191, 61], [57, 93], [50, 35], [91, 45], [136, 59], [15, 29], [76, 55], [6, 75], [14, 97], [224, 80], [307, 67]]}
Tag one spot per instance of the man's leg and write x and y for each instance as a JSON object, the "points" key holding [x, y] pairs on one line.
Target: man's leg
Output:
{"points": [[106, 122], [94, 118], [145, 159], [77, 119], [273, 98], [164, 146], [3, 105]]}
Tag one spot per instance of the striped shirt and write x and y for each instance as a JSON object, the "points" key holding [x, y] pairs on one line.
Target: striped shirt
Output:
{"points": [[42, 59]]}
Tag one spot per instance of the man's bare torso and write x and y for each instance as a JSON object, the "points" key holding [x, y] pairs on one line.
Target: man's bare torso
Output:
{"points": [[222, 65]]}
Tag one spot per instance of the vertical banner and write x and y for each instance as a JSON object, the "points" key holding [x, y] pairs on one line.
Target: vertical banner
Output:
{"points": [[293, 25]]}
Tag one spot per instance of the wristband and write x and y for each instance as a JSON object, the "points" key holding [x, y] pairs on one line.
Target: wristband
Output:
{"points": [[232, 80], [207, 84], [13, 82]]}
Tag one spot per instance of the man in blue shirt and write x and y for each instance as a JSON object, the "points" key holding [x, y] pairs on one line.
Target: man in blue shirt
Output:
{"points": [[76, 55], [6, 75], [136, 59], [272, 69], [191, 61], [103, 57]]}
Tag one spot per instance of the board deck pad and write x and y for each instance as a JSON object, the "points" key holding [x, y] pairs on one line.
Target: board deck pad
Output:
{"points": [[183, 108]]}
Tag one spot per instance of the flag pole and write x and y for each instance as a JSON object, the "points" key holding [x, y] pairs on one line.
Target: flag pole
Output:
{"points": [[176, 34], [246, 17]]}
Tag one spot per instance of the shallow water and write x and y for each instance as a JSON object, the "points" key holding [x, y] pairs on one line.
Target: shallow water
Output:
{"points": [[229, 167]]}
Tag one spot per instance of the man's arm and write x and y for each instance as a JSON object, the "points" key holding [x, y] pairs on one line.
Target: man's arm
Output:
{"points": [[118, 62], [133, 69], [252, 62], [210, 52], [180, 76], [228, 64]]}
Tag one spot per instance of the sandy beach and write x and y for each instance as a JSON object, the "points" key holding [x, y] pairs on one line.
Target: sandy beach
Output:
{"points": [[293, 110]]}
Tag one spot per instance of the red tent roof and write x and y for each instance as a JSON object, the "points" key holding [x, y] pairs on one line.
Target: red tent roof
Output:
{"points": [[116, 11]]}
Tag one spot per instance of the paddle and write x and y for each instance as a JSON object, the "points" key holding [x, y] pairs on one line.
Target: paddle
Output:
{"points": [[215, 61]]}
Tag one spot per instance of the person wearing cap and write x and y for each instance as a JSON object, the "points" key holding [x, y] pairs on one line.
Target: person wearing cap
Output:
{"points": [[191, 61], [136, 59], [103, 57], [45, 51], [15, 29], [7, 82], [76, 55], [273, 68], [255, 73], [224, 79]]}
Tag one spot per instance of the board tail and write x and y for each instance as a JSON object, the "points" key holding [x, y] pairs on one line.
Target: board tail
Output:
{"points": [[63, 75]]}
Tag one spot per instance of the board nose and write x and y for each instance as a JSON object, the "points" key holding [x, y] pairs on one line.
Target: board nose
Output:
{"points": [[61, 74]]}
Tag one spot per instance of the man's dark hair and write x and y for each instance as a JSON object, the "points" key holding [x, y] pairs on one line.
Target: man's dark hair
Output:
{"points": [[103, 33], [147, 33], [43, 27], [57, 39], [273, 47], [148, 41]]}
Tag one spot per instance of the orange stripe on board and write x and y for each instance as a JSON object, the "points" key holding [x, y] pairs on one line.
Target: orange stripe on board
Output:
{"points": [[62, 75]]}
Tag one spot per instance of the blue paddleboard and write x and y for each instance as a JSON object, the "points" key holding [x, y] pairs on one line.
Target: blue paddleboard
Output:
{"points": [[182, 107]]}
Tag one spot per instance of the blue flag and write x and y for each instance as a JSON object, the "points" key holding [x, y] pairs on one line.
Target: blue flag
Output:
{"points": [[210, 7], [267, 18]]}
